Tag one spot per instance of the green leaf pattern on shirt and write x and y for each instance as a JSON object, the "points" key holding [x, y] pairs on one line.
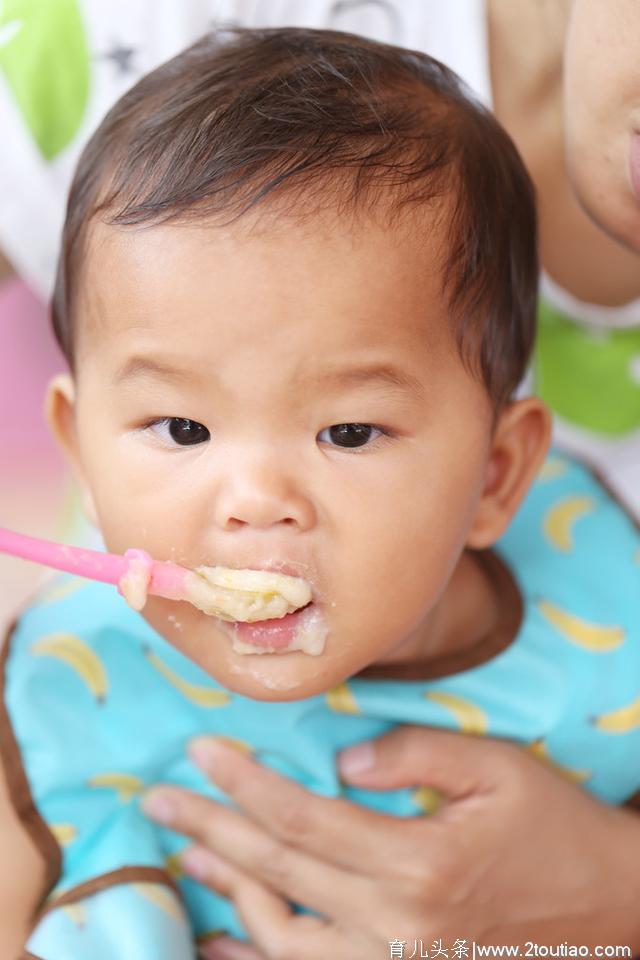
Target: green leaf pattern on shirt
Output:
{"points": [[590, 377], [44, 59]]}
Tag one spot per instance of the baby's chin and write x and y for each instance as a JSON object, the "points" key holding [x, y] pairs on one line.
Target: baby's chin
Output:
{"points": [[273, 675]]}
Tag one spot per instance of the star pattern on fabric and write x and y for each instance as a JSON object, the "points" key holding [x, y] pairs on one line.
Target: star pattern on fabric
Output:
{"points": [[121, 55]]}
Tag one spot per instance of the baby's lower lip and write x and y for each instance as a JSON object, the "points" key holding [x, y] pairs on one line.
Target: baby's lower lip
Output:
{"points": [[270, 634]]}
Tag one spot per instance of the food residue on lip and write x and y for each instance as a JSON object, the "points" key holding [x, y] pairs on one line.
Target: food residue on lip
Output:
{"points": [[311, 632], [245, 595]]}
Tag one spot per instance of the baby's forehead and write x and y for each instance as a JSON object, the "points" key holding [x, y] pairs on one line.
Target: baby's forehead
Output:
{"points": [[345, 262], [361, 277]]}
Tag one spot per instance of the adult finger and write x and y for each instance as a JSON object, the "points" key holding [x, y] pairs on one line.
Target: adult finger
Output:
{"points": [[333, 830], [224, 948], [455, 764], [245, 845], [279, 933], [273, 928]]}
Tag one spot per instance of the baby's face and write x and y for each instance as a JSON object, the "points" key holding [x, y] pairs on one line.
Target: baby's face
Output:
{"points": [[285, 398]]}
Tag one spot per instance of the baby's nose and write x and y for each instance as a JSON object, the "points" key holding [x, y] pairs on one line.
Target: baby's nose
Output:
{"points": [[263, 499]]}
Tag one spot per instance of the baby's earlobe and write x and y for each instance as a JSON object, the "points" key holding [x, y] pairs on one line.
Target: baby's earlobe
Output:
{"points": [[59, 405], [59, 409]]}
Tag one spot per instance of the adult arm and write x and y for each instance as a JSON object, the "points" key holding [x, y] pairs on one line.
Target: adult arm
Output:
{"points": [[517, 854]]}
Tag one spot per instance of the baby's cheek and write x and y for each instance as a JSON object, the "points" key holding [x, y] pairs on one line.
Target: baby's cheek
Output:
{"points": [[173, 620], [127, 521]]}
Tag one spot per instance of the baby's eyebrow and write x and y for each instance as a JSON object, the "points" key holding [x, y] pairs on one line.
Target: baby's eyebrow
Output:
{"points": [[139, 366], [383, 373]]}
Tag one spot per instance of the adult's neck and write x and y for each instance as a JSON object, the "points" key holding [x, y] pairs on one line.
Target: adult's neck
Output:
{"points": [[526, 49]]}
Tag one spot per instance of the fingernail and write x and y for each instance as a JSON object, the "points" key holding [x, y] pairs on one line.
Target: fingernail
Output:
{"points": [[214, 949], [199, 863], [202, 751], [355, 760], [224, 948], [158, 806]]}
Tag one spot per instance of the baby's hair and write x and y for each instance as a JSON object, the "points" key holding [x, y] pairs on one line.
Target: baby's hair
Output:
{"points": [[299, 121]]}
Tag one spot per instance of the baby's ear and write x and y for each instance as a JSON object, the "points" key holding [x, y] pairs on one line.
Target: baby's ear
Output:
{"points": [[59, 411], [519, 445]]}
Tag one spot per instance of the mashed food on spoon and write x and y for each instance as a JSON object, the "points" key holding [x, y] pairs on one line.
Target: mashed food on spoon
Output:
{"points": [[243, 596]]}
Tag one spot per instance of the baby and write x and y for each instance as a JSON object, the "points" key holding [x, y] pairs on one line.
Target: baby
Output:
{"points": [[296, 292]]}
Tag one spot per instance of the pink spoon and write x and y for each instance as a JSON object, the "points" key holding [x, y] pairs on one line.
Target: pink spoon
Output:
{"points": [[166, 579]]}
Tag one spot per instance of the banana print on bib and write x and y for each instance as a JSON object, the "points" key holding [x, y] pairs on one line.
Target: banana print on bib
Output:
{"points": [[98, 707]]}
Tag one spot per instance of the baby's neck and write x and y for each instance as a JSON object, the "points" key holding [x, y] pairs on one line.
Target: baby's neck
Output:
{"points": [[477, 616]]}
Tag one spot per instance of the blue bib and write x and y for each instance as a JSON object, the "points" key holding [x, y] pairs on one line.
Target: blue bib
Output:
{"points": [[101, 707]]}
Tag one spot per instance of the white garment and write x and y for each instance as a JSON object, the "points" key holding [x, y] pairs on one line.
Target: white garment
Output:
{"points": [[33, 191]]}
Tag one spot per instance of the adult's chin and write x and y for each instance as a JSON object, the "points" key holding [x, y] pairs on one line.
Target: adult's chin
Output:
{"points": [[608, 191]]}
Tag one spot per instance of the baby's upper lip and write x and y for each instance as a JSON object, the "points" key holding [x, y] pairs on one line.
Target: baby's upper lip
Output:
{"points": [[277, 566], [272, 565]]}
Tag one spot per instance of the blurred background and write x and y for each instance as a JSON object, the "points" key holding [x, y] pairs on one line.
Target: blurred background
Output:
{"points": [[36, 493]]}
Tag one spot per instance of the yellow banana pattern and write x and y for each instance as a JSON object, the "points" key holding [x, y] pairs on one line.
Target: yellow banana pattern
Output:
{"points": [[174, 866], [623, 720], [202, 938], [77, 913], [240, 745], [595, 637], [60, 591], [125, 785], [560, 520], [341, 699], [65, 833], [163, 898], [428, 799], [73, 651], [552, 468], [538, 749], [470, 717], [200, 695]]}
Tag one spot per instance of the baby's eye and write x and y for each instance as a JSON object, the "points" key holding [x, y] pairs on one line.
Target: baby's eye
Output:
{"points": [[349, 434], [185, 433]]}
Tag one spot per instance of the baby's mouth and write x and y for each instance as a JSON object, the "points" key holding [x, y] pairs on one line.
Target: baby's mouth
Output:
{"points": [[264, 611], [304, 630], [246, 596]]}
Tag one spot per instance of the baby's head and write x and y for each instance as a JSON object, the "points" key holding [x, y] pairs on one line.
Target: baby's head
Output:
{"points": [[296, 292]]}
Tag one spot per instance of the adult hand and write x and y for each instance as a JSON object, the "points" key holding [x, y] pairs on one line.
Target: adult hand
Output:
{"points": [[517, 854]]}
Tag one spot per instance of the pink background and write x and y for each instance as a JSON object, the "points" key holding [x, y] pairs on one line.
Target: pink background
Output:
{"points": [[35, 489]]}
